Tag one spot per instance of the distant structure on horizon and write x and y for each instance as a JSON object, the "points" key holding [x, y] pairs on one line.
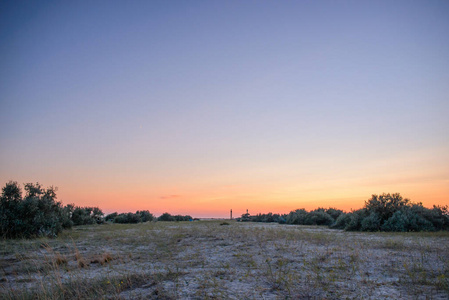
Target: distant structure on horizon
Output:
{"points": [[231, 213]]}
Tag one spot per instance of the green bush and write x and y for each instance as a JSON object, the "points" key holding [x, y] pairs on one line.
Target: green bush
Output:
{"points": [[297, 217], [391, 212], [267, 218], [333, 212], [183, 218], [168, 217], [111, 217], [438, 216], [420, 219], [87, 215], [386, 205], [407, 219], [127, 218], [145, 216], [397, 222], [371, 222], [318, 217], [355, 222], [342, 221], [37, 214], [138, 217]]}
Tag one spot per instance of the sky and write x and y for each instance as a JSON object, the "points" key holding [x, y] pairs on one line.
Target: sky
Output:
{"points": [[199, 107]]}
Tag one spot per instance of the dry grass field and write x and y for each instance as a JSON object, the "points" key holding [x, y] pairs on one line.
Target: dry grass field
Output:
{"points": [[225, 260]]}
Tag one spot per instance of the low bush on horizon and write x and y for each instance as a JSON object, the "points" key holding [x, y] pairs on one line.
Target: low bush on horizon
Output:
{"points": [[392, 212], [84, 215], [386, 212], [319, 216], [130, 218], [168, 217], [144, 216]]}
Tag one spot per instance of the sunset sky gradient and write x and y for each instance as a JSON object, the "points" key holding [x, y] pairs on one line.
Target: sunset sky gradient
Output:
{"points": [[197, 107]]}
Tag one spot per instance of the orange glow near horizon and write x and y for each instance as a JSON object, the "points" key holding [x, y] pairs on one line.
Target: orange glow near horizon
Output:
{"points": [[217, 202], [277, 186]]}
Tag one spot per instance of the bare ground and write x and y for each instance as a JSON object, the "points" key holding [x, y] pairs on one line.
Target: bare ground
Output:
{"points": [[209, 259]]}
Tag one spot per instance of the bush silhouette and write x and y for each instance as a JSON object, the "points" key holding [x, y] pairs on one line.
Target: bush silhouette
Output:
{"points": [[371, 222], [36, 214], [111, 217], [138, 217], [87, 215], [392, 212], [342, 221], [145, 216], [296, 217], [318, 217], [386, 205], [168, 217]]}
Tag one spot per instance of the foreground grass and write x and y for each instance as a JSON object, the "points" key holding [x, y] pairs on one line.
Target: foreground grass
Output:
{"points": [[206, 259]]}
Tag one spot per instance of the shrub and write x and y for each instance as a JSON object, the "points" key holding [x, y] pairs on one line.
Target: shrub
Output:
{"points": [[334, 213], [318, 217], [166, 217], [138, 217], [129, 218], [342, 221], [183, 218], [391, 212], [145, 216], [397, 222], [111, 217], [407, 219], [420, 218], [87, 215], [371, 223], [266, 218], [355, 222], [296, 217], [385, 205], [438, 216], [67, 216], [37, 214]]}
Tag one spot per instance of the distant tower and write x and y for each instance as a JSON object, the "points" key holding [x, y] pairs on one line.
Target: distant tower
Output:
{"points": [[231, 214], [246, 210]]}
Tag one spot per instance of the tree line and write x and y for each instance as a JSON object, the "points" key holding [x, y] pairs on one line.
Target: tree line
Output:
{"points": [[37, 213], [386, 212]]}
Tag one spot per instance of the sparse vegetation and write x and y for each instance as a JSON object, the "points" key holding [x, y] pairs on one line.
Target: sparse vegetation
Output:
{"points": [[186, 260]]}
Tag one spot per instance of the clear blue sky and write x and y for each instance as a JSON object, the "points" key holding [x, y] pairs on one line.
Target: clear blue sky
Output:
{"points": [[217, 103]]}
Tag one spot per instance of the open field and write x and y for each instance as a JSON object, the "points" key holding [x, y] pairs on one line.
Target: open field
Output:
{"points": [[209, 259]]}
